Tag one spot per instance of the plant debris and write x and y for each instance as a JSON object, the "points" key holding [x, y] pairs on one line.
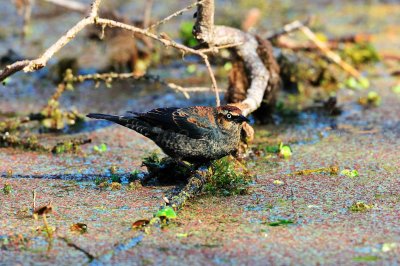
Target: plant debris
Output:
{"points": [[79, 228], [331, 170], [280, 222], [140, 223], [360, 206], [371, 100]]}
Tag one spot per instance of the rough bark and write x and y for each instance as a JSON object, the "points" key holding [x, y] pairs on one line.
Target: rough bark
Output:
{"points": [[255, 55], [240, 78], [203, 28]]}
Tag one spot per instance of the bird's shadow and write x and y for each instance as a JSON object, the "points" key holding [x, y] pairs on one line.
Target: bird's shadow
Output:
{"points": [[164, 173]]}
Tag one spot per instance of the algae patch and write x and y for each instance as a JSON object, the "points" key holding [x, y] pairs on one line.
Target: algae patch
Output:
{"points": [[228, 178]]}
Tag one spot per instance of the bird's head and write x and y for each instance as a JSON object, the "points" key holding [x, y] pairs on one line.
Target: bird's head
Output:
{"points": [[230, 118]]}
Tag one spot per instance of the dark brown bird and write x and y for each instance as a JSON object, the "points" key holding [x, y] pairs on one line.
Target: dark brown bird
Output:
{"points": [[195, 134]]}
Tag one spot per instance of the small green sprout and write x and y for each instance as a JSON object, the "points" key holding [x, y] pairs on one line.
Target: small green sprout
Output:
{"points": [[285, 151], [349, 173], [7, 189], [101, 148], [278, 182]]}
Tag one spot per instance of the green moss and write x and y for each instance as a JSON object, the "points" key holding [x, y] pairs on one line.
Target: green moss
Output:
{"points": [[134, 185], [153, 160], [227, 179], [367, 258]]}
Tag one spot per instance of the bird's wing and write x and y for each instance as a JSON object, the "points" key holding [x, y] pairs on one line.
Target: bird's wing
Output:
{"points": [[195, 122]]}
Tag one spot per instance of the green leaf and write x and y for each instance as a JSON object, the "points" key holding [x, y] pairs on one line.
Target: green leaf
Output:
{"points": [[167, 212], [349, 173]]}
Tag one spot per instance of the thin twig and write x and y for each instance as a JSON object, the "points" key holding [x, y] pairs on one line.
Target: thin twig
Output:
{"points": [[215, 49], [121, 76], [177, 13], [329, 53], [147, 13], [292, 26], [214, 81], [64, 40], [69, 4], [166, 42]]}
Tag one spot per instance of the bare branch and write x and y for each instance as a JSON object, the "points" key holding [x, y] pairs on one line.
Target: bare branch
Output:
{"points": [[292, 26], [13, 68]]}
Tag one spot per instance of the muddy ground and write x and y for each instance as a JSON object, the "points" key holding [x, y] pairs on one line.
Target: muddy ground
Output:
{"points": [[306, 219]]}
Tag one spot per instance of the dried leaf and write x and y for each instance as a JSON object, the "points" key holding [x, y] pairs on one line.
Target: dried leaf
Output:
{"points": [[140, 223]]}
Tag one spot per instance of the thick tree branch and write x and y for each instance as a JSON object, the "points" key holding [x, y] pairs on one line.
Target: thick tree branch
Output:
{"points": [[248, 51], [203, 29]]}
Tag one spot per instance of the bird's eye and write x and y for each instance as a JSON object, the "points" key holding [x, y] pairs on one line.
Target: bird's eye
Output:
{"points": [[229, 116]]}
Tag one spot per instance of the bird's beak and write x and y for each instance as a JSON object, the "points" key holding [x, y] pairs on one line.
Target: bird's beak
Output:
{"points": [[241, 119]]}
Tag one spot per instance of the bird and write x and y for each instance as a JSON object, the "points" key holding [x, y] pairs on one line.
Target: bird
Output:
{"points": [[196, 134]]}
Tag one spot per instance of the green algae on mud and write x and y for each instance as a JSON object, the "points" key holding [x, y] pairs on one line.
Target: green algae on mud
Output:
{"points": [[229, 177]]}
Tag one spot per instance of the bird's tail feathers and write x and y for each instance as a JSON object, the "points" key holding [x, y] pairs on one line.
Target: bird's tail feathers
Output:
{"points": [[114, 118]]}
